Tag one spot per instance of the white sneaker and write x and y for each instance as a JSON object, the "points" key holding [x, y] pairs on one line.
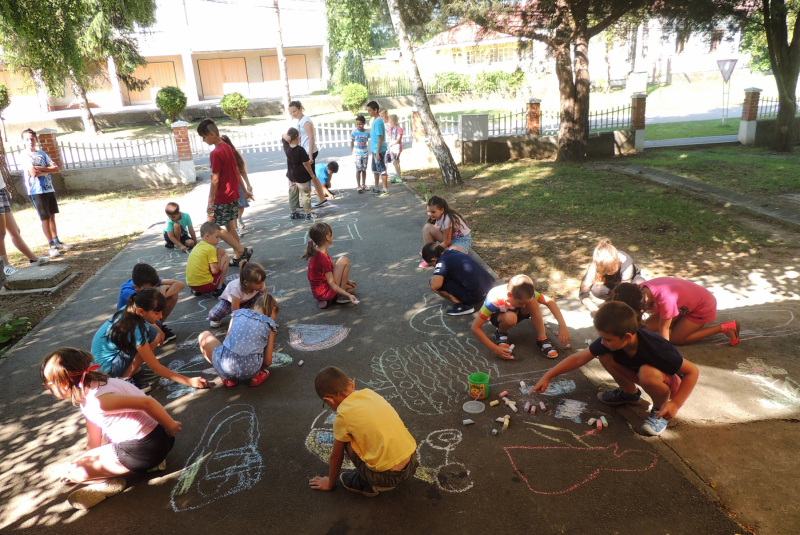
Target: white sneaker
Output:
{"points": [[91, 495], [54, 251], [215, 324], [41, 261], [9, 270], [63, 246]]}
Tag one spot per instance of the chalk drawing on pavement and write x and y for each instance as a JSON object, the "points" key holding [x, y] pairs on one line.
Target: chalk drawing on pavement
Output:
{"points": [[556, 434], [316, 337], [197, 316], [570, 409], [320, 439], [196, 366], [192, 342], [768, 323], [555, 388], [226, 460], [779, 394], [430, 319], [279, 360], [343, 228], [436, 465]]}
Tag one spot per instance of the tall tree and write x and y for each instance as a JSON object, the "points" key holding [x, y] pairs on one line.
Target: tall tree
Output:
{"points": [[282, 63]]}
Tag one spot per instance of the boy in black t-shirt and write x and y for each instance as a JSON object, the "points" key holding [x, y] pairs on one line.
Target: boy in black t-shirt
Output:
{"points": [[300, 173], [634, 357], [457, 277]]}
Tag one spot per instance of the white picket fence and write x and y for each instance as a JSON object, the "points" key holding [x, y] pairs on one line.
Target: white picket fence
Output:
{"points": [[768, 107]]}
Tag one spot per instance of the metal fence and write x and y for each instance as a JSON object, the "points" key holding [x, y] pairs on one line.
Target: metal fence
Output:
{"points": [[384, 87], [611, 119], [768, 107], [508, 124]]}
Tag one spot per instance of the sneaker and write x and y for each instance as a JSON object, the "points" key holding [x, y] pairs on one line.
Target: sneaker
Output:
{"points": [[501, 339], [197, 294], [39, 261], [423, 264], [218, 291], [296, 215], [619, 397], [311, 215], [547, 348], [215, 324], [460, 309], [396, 180], [375, 190], [653, 425], [384, 193], [160, 468], [54, 251], [169, 245], [229, 383], [144, 387], [323, 202], [360, 189], [9, 270], [240, 224], [169, 336], [259, 378], [63, 246], [321, 303], [342, 299], [352, 481], [91, 495]]}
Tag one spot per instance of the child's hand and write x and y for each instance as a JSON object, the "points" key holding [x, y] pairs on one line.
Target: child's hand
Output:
{"points": [[184, 249], [541, 385], [173, 429], [321, 483], [198, 382], [563, 334], [668, 410], [432, 221], [503, 353], [353, 299]]}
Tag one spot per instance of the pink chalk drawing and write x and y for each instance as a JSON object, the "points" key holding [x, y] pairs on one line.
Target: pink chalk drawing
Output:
{"points": [[548, 476], [756, 367]]}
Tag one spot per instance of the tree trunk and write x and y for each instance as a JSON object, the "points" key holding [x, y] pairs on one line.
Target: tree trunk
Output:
{"points": [[283, 68], [4, 172], [450, 173], [784, 131], [572, 129], [89, 122]]}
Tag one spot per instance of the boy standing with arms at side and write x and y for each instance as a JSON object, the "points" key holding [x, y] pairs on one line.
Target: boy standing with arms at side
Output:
{"points": [[633, 357], [370, 431], [359, 148], [377, 136], [207, 265], [223, 195]]}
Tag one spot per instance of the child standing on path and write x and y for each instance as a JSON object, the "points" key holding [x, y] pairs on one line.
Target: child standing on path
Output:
{"points": [[139, 430], [247, 351], [248, 190], [179, 231], [8, 223], [224, 192], [377, 136], [634, 357], [299, 173], [207, 265], [240, 293], [359, 148], [445, 226], [329, 283], [395, 148], [372, 434], [39, 184]]}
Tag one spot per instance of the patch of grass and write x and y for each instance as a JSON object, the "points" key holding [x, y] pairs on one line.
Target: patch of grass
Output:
{"points": [[755, 171], [685, 129]]}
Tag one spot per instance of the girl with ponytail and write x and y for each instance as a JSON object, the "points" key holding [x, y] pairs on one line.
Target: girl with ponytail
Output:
{"points": [[329, 283], [609, 268]]}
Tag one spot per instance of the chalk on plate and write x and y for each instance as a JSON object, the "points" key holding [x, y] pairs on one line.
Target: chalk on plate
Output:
{"points": [[500, 419], [505, 425], [503, 394], [522, 384], [527, 407], [493, 403], [541, 404], [494, 432], [599, 424], [605, 422], [591, 421], [467, 421], [300, 363]]}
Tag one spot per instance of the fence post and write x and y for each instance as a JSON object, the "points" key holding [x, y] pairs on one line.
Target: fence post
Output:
{"points": [[638, 101], [185, 158], [534, 116], [747, 126], [49, 144]]}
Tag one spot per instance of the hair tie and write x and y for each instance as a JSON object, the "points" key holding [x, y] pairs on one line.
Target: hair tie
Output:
{"points": [[311, 242], [92, 368]]}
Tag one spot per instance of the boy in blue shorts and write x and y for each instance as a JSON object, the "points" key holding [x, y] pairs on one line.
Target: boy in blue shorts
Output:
{"points": [[633, 357], [179, 231], [146, 276], [457, 277], [359, 148], [377, 136]]}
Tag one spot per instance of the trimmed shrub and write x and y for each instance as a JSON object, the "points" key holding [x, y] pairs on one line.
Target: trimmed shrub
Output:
{"points": [[5, 99], [498, 81], [234, 106], [453, 82], [354, 96], [171, 101]]}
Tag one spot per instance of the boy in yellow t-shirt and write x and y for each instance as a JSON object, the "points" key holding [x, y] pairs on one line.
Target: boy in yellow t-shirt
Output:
{"points": [[207, 265], [372, 434]]}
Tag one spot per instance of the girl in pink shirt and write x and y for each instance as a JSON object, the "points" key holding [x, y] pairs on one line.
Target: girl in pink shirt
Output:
{"points": [[329, 282], [139, 431]]}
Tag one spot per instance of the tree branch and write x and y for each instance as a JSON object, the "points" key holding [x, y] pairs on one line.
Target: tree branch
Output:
{"points": [[613, 17]]}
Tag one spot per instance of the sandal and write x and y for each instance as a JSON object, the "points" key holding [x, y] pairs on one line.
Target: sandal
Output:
{"points": [[259, 378], [729, 326], [228, 382], [547, 348]]}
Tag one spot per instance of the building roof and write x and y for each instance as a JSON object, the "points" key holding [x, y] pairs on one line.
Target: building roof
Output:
{"points": [[467, 34]]}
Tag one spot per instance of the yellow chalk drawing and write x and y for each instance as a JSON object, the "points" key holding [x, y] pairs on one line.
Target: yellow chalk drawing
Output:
{"points": [[558, 430]]}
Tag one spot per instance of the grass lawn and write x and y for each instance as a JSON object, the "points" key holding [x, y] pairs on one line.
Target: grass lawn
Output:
{"points": [[544, 219], [746, 170], [713, 127]]}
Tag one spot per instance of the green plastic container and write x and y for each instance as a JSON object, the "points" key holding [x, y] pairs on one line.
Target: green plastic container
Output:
{"points": [[478, 385]]}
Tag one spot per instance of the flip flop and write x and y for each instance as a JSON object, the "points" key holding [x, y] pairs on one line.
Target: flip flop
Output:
{"points": [[731, 326]]}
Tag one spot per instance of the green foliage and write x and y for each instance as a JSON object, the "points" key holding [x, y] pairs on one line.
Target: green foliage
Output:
{"points": [[354, 96], [497, 81], [171, 101], [754, 42], [234, 105], [5, 99], [349, 70], [453, 82], [14, 328]]}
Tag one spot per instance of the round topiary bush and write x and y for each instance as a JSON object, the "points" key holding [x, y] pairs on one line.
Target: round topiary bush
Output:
{"points": [[172, 101], [5, 99], [234, 106], [354, 96]]}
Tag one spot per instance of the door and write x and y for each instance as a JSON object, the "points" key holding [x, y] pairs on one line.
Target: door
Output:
{"points": [[220, 77], [160, 73], [295, 64]]}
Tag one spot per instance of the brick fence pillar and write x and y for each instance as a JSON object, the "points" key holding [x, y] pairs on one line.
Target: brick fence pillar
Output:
{"points": [[534, 116], [185, 157], [638, 102], [49, 144], [747, 126]]}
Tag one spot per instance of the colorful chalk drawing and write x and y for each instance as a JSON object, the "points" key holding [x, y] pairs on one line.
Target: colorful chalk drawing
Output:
{"points": [[779, 396], [540, 429], [316, 337], [279, 360], [555, 388], [570, 409], [197, 365], [226, 460], [320, 439], [430, 319], [205, 304]]}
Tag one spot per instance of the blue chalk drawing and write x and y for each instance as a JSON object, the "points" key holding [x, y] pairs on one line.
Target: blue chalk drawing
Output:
{"points": [[279, 360], [556, 388], [197, 365], [570, 409], [316, 337]]}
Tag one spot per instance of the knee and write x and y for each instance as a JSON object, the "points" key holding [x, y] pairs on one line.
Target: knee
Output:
{"points": [[343, 261], [509, 318], [650, 376]]}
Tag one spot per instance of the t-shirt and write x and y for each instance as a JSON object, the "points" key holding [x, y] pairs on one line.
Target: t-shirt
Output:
{"points": [[119, 426], [104, 349], [465, 270], [497, 301], [444, 223], [223, 162], [305, 142], [628, 273], [197, 271], [377, 129], [295, 157], [675, 297], [318, 266], [249, 332], [360, 142], [185, 222], [652, 350], [36, 185], [374, 430], [234, 289], [395, 133], [126, 290], [321, 170]]}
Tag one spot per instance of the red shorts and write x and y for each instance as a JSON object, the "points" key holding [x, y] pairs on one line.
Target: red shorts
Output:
{"points": [[672, 381], [328, 295], [210, 287]]}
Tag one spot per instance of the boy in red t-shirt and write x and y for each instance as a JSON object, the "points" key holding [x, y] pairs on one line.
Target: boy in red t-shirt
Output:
{"points": [[329, 282], [223, 206]]}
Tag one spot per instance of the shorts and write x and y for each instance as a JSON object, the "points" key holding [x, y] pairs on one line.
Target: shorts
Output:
{"points": [[242, 201], [465, 242], [329, 295], [392, 157], [145, 453], [462, 293], [300, 196], [234, 367], [209, 287], [672, 381], [705, 313], [119, 364], [5, 202], [183, 238], [361, 161], [379, 164], [45, 204], [520, 316], [223, 307], [387, 480], [225, 213]]}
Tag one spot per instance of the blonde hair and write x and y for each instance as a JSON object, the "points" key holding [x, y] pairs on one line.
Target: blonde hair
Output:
{"points": [[67, 368], [267, 304], [606, 261]]}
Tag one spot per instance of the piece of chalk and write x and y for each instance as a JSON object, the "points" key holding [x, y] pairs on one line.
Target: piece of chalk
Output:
{"points": [[522, 384], [505, 398], [605, 422], [533, 409], [599, 424], [494, 431], [500, 419], [568, 346], [514, 408], [541, 404], [493, 403], [511, 348], [507, 416], [505, 425], [588, 341], [356, 302], [591, 421], [467, 421], [527, 407], [503, 394], [300, 363], [509, 402]]}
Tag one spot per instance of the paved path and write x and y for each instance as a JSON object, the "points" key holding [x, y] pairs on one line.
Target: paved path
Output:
{"points": [[691, 142]]}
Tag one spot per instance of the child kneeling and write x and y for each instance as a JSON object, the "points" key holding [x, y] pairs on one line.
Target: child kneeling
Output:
{"points": [[370, 431], [247, 351], [240, 293], [633, 357]]}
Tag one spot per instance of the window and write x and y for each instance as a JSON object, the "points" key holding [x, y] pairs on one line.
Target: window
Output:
{"points": [[716, 39]]}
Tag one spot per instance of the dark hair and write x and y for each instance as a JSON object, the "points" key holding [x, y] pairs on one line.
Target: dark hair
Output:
{"points": [[330, 381], [361, 119], [65, 367], [144, 275], [207, 126], [630, 294], [239, 160], [333, 167], [126, 321], [455, 218], [296, 104], [293, 133], [172, 209], [373, 105], [318, 232], [522, 287], [29, 131], [616, 318], [208, 227], [432, 250], [251, 273]]}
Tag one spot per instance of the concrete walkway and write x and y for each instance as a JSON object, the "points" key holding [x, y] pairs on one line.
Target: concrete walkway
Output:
{"points": [[678, 143]]}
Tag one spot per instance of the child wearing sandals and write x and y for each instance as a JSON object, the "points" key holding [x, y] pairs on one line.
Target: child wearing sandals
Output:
{"points": [[240, 293], [247, 351], [139, 430], [329, 282], [445, 226]]}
